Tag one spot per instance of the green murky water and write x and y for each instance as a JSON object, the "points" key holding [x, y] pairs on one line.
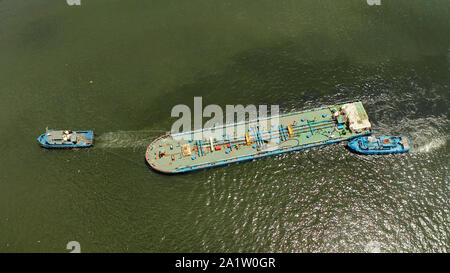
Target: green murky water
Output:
{"points": [[144, 57]]}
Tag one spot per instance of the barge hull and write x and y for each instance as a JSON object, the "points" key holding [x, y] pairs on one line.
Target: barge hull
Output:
{"points": [[180, 153]]}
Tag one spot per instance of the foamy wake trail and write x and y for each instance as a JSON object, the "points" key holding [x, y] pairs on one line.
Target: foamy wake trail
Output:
{"points": [[426, 134], [431, 145], [127, 139]]}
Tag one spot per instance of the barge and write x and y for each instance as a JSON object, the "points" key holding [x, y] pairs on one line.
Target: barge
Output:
{"points": [[244, 141]]}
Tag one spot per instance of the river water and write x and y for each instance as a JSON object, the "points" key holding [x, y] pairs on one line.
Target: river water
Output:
{"points": [[118, 67]]}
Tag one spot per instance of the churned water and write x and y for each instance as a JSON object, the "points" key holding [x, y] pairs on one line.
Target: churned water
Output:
{"points": [[119, 67]]}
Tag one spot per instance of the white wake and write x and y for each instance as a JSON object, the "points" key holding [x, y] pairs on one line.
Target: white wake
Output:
{"points": [[127, 139]]}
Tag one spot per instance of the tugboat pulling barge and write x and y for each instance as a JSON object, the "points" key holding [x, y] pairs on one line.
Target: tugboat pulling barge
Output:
{"points": [[178, 153], [58, 139]]}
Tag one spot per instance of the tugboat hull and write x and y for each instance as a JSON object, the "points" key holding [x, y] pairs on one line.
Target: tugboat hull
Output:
{"points": [[380, 145], [60, 139]]}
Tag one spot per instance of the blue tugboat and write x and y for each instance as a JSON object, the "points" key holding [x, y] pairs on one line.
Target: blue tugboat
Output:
{"points": [[66, 139], [380, 145]]}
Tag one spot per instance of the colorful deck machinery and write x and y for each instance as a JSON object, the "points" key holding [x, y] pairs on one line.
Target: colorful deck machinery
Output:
{"points": [[243, 141]]}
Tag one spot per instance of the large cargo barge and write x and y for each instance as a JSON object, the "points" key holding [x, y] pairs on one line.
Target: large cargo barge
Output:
{"points": [[195, 150]]}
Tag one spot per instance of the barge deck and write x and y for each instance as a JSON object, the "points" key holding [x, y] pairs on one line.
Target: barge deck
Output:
{"points": [[201, 149]]}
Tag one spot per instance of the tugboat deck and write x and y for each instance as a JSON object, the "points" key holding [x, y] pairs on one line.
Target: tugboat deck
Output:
{"points": [[66, 139]]}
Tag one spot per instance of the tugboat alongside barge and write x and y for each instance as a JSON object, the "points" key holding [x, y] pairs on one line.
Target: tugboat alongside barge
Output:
{"points": [[372, 145], [179, 153]]}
